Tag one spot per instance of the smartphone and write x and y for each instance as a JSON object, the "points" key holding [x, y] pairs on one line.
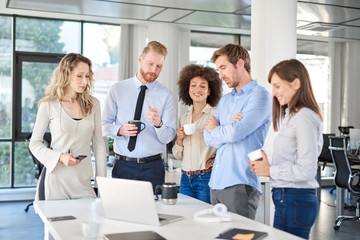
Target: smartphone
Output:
{"points": [[61, 218], [80, 157]]}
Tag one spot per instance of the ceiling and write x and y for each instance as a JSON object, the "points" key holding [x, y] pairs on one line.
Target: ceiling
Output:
{"points": [[329, 19]]}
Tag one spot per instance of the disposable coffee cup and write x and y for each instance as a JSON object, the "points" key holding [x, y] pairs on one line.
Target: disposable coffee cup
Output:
{"points": [[255, 155], [189, 129]]}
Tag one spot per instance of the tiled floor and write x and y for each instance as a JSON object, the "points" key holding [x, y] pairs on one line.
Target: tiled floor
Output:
{"points": [[15, 224], [323, 228]]}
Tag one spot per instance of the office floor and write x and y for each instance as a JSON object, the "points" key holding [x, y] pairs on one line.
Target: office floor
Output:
{"points": [[16, 224]]}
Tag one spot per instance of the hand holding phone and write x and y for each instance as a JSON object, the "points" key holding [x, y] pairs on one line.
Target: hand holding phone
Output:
{"points": [[80, 157]]}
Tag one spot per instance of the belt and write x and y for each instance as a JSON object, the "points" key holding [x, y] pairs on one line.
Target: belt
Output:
{"points": [[199, 172], [138, 160]]}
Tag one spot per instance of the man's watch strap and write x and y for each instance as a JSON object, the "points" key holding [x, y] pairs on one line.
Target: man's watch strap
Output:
{"points": [[161, 123]]}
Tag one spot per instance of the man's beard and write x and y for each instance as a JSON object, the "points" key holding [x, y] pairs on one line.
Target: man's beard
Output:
{"points": [[147, 77]]}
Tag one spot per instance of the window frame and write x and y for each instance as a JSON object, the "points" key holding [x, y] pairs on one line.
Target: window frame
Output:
{"points": [[19, 58]]}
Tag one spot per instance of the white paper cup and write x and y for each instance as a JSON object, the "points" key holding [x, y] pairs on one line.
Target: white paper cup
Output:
{"points": [[255, 155], [189, 129], [90, 229]]}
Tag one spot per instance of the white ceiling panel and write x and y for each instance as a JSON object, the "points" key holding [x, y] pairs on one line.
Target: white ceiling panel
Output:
{"points": [[354, 23], [315, 17], [89, 7], [217, 20], [226, 6], [170, 15], [325, 13], [344, 3]]}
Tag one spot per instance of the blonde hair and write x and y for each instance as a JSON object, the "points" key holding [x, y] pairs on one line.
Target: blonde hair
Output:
{"points": [[155, 47], [289, 70], [61, 79]]}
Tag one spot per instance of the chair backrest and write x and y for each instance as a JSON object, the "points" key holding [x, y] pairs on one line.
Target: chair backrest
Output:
{"points": [[38, 166], [342, 167], [325, 155], [354, 183]]}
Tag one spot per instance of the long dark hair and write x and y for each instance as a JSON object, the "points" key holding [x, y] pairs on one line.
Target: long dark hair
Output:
{"points": [[289, 70]]}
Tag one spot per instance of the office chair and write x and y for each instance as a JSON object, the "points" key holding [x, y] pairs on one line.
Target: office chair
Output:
{"points": [[344, 176], [38, 166], [345, 131], [325, 155]]}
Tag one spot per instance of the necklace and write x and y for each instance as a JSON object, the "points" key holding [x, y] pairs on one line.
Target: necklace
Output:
{"points": [[195, 116]]}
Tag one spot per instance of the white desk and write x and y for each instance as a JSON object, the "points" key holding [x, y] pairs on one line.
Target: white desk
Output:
{"points": [[87, 209], [265, 211]]}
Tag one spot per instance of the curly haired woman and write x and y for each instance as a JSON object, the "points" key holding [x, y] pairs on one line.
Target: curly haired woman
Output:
{"points": [[201, 88]]}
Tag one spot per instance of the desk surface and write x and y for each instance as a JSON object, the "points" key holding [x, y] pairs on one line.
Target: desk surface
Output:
{"points": [[88, 209]]}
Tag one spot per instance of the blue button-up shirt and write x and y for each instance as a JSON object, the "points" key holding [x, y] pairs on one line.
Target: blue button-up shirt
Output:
{"points": [[120, 107], [235, 140]]}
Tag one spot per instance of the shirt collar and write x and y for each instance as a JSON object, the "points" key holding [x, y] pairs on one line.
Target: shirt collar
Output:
{"points": [[206, 110], [138, 83], [245, 88]]}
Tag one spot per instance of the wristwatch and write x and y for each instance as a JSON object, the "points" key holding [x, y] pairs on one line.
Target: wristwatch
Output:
{"points": [[161, 123]]}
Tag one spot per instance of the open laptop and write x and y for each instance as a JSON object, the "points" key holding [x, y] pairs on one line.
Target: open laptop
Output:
{"points": [[131, 201]]}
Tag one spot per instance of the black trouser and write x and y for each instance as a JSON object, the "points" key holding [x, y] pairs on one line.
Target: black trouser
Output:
{"points": [[153, 171]]}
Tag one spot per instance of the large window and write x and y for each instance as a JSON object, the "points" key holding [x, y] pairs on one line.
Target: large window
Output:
{"points": [[47, 36], [318, 68], [5, 76], [39, 45], [101, 44], [33, 74], [5, 99]]}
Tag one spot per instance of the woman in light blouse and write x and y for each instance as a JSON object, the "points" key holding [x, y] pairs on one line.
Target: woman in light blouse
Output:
{"points": [[295, 150], [73, 117], [201, 88]]}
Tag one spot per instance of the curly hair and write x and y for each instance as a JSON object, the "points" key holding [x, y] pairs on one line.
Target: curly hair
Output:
{"points": [[207, 73], [61, 79]]}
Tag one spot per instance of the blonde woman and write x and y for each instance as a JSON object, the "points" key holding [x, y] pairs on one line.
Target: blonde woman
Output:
{"points": [[73, 117]]}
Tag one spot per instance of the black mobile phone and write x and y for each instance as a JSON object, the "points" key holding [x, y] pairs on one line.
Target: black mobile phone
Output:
{"points": [[61, 218], [80, 157]]}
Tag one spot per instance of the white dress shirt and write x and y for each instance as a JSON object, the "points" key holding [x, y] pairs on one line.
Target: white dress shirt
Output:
{"points": [[295, 151]]}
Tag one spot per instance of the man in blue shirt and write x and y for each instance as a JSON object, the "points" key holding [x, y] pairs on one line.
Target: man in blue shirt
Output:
{"points": [[238, 127], [142, 162]]}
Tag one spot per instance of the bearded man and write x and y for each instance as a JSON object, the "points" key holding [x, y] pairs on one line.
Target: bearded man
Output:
{"points": [[150, 105]]}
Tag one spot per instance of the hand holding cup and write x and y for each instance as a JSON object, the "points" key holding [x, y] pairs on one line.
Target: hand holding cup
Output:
{"points": [[189, 129]]}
